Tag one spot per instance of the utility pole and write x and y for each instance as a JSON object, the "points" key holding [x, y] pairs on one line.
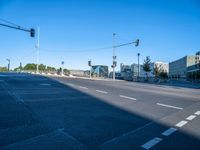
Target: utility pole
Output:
{"points": [[114, 57], [8, 64], [38, 46], [138, 54]]}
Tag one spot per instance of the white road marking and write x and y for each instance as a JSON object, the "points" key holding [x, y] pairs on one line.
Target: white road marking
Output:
{"points": [[169, 131], [45, 84], [70, 84], [151, 143], [82, 87], [131, 98], [191, 117], [181, 123], [104, 92], [170, 106], [197, 113]]}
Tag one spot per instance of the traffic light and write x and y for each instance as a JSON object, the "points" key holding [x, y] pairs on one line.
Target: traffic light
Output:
{"points": [[89, 63], [32, 31], [137, 42]]}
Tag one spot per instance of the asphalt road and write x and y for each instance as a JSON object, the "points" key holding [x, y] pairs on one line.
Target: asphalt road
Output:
{"points": [[50, 113]]}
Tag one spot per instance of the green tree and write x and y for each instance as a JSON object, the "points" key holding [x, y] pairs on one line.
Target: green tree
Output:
{"points": [[31, 66], [146, 65], [156, 70], [42, 67], [3, 69]]}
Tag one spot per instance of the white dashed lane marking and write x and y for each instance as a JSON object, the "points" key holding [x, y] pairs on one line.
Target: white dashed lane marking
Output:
{"points": [[197, 113], [191, 117], [181, 123], [104, 92], [127, 97], [70, 84], [170, 106], [82, 87], [169, 131], [151, 143]]}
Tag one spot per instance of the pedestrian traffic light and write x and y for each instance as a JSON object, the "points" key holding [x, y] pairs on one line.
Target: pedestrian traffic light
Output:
{"points": [[32, 31], [137, 42]]}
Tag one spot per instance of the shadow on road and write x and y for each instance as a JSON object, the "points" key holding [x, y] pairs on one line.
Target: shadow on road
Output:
{"points": [[40, 113]]}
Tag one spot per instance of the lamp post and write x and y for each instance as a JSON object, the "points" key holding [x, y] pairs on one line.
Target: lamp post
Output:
{"points": [[114, 57], [38, 46], [138, 54], [90, 65], [8, 64]]}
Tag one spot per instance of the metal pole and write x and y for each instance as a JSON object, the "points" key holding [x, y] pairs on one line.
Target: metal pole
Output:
{"points": [[38, 46], [113, 56], [138, 66], [90, 72], [8, 64]]}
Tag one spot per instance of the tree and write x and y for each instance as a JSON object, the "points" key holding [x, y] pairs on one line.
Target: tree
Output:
{"points": [[3, 69], [146, 65], [30, 66], [156, 70]]}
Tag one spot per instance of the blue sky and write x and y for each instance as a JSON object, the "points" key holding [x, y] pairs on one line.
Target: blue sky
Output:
{"points": [[75, 30]]}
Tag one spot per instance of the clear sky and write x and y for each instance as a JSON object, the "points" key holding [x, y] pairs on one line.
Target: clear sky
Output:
{"points": [[75, 31]]}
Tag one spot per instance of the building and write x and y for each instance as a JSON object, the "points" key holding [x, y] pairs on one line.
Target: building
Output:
{"points": [[178, 69], [99, 71], [161, 67], [79, 73], [193, 72]]}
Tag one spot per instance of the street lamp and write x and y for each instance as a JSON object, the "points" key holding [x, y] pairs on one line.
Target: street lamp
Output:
{"points": [[114, 57], [90, 65], [138, 54], [8, 64], [38, 46]]}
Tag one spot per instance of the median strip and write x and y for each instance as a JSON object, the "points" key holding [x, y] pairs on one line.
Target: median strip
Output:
{"points": [[131, 98], [170, 106], [104, 92]]}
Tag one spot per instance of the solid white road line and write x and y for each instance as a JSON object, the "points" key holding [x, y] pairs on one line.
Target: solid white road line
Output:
{"points": [[197, 113], [169, 131], [191, 117], [104, 92], [151, 143], [170, 106], [181, 123], [131, 98], [82, 87]]}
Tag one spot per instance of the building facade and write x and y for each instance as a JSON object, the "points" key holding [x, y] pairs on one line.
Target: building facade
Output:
{"points": [[178, 69], [99, 71]]}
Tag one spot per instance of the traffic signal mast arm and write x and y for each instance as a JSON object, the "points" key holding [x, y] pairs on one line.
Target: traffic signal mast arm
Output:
{"points": [[135, 42], [31, 31]]}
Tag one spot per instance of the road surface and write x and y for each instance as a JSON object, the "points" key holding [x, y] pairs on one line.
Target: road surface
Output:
{"points": [[49, 113]]}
